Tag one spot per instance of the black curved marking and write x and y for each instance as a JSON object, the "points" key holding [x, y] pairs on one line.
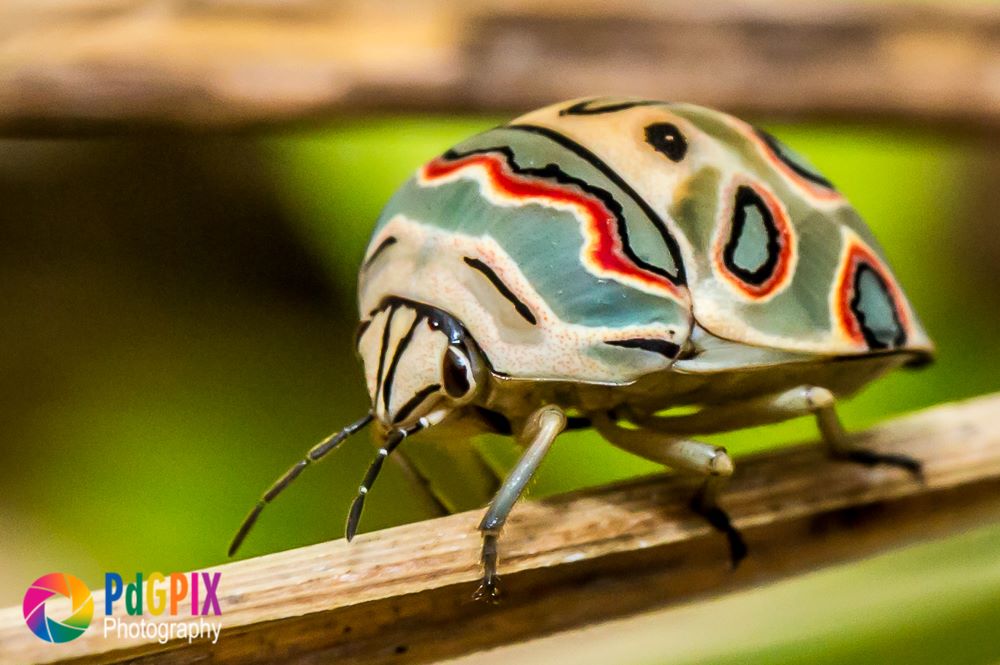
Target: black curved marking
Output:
{"points": [[504, 290], [414, 402], [746, 197], [782, 153], [382, 246], [436, 319], [871, 335], [383, 350], [594, 107], [661, 346], [360, 332], [678, 279], [442, 321], [390, 374], [667, 139]]}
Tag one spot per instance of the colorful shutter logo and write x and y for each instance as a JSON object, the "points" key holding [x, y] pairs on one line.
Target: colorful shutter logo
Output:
{"points": [[62, 629]]}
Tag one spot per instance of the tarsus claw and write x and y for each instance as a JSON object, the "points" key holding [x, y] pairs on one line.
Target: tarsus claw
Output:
{"points": [[871, 458], [489, 591]]}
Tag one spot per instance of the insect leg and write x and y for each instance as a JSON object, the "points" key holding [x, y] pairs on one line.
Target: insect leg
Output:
{"points": [[542, 428], [822, 403], [711, 462], [800, 401], [714, 418]]}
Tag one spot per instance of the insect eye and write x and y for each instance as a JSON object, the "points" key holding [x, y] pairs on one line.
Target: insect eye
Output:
{"points": [[666, 138], [457, 374]]}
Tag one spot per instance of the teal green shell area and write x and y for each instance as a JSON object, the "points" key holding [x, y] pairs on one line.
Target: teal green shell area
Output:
{"points": [[799, 317], [546, 243], [814, 298], [716, 225]]}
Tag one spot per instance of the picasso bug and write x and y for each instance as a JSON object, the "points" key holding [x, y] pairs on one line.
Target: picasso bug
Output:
{"points": [[597, 262]]}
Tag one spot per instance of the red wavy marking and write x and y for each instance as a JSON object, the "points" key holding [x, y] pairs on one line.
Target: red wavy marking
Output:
{"points": [[603, 246], [782, 271], [858, 253]]}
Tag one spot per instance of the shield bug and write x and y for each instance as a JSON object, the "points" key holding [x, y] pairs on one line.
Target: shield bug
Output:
{"points": [[614, 258]]}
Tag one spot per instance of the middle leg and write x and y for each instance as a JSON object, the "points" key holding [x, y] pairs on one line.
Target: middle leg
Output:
{"points": [[800, 401], [711, 462]]}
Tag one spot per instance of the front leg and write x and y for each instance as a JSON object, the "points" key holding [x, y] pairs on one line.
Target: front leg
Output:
{"points": [[711, 462], [800, 401], [542, 428]]}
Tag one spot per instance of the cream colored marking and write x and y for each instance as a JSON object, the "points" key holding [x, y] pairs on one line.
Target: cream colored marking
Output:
{"points": [[402, 318], [369, 346], [419, 367], [428, 267]]}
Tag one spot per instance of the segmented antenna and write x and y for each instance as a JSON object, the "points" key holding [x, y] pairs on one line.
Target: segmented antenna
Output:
{"points": [[315, 454]]}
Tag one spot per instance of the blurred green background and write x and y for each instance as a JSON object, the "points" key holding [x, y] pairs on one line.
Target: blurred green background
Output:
{"points": [[177, 330]]}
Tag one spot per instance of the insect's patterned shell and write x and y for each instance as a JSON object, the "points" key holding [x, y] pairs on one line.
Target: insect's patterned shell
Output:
{"points": [[583, 242]]}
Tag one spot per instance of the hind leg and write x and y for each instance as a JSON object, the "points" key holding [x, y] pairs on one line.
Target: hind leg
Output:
{"points": [[822, 403], [708, 461], [800, 401]]}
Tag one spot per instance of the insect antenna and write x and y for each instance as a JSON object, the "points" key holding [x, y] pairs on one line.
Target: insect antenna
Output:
{"points": [[315, 454], [395, 438]]}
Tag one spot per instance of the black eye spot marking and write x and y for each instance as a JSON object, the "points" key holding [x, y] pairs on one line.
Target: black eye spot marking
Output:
{"points": [[753, 249], [661, 346], [870, 308], [755, 246], [875, 309], [666, 138], [793, 160], [594, 107]]}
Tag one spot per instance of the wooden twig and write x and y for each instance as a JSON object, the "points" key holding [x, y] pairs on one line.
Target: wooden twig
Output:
{"points": [[86, 65], [404, 594]]}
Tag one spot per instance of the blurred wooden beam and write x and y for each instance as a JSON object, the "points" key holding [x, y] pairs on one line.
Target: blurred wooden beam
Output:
{"points": [[70, 66], [403, 595]]}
